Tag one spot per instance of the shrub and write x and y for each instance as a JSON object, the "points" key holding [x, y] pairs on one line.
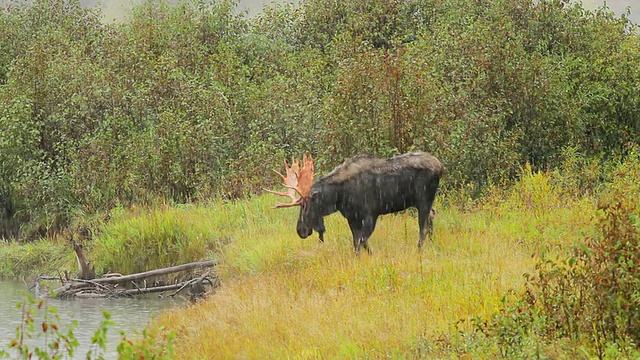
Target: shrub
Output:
{"points": [[183, 102], [590, 296]]}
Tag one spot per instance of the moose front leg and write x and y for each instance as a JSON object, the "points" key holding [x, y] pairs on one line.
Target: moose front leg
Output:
{"points": [[320, 229], [361, 229]]}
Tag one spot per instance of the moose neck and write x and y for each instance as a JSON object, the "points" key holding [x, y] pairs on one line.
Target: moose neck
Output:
{"points": [[326, 199]]}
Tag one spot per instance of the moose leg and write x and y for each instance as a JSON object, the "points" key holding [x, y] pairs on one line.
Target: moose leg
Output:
{"points": [[356, 243], [362, 230], [425, 203], [368, 226], [425, 219], [356, 230], [320, 229]]}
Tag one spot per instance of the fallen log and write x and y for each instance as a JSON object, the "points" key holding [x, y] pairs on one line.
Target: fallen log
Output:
{"points": [[127, 286], [155, 289], [157, 272]]}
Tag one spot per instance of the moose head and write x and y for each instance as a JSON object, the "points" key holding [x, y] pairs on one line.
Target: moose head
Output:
{"points": [[299, 181]]}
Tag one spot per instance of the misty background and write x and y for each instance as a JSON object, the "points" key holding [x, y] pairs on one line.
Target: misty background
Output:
{"points": [[116, 10]]}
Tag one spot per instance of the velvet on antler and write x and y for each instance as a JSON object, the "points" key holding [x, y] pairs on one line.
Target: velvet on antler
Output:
{"points": [[297, 181]]}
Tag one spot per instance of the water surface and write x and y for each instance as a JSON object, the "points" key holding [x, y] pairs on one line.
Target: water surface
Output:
{"points": [[130, 315]]}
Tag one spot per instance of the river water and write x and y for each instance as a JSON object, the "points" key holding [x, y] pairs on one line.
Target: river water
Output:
{"points": [[130, 315]]}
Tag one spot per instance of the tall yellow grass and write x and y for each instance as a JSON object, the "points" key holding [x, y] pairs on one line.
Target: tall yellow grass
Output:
{"points": [[287, 298]]}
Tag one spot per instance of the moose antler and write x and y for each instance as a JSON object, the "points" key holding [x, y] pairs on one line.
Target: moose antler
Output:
{"points": [[305, 180], [298, 181], [291, 182]]}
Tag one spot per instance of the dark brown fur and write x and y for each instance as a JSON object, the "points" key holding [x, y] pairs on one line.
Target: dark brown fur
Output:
{"points": [[363, 163], [364, 187]]}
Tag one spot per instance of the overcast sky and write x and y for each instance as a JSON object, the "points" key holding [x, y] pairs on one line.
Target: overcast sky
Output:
{"points": [[617, 6], [116, 9]]}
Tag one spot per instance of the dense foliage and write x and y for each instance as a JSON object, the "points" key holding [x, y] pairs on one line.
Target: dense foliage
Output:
{"points": [[588, 297], [189, 101]]}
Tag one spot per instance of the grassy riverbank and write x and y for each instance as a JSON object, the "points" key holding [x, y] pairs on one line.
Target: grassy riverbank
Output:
{"points": [[127, 136], [283, 297], [287, 298]]}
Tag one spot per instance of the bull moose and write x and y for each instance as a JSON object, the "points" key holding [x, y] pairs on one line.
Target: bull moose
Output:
{"points": [[363, 188]]}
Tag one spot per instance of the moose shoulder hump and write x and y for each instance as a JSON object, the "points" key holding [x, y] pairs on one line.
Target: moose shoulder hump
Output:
{"points": [[416, 160], [368, 163]]}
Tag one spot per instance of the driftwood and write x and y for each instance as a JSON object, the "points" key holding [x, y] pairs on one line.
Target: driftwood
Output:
{"points": [[135, 284], [85, 270]]}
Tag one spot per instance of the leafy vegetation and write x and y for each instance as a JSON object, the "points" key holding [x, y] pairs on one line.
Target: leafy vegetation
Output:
{"points": [[283, 297], [588, 295], [151, 137], [184, 102]]}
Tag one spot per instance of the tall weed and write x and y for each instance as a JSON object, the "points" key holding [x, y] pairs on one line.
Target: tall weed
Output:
{"points": [[147, 239]]}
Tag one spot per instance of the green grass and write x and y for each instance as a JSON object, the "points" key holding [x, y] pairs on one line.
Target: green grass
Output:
{"points": [[146, 239], [283, 297], [39, 257]]}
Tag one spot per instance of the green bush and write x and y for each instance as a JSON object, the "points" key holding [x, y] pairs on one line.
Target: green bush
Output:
{"points": [[152, 239], [185, 102], [591, 295], [21, 260]]}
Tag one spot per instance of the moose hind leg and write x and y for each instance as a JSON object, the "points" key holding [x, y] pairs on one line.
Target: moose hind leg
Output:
{"points": [[425, 219], [357, 240], [356, 230]]}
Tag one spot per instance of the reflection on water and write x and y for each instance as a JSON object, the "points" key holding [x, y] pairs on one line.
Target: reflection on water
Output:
{"points": [[130, 315]]}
